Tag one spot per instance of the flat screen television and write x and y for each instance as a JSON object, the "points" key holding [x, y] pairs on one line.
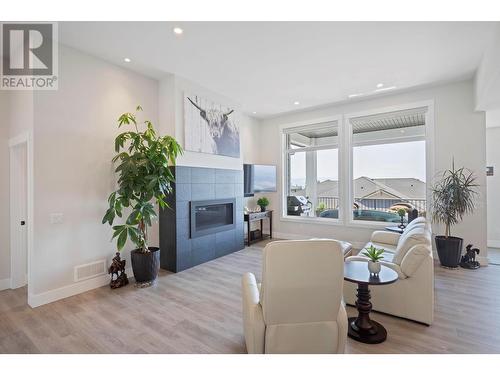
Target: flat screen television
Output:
{"points": [[259, 178]]}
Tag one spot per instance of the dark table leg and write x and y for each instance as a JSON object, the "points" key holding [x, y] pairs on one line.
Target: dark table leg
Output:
{"points": [[261, 229], [362, 328], [248, 233], [271, 224]]}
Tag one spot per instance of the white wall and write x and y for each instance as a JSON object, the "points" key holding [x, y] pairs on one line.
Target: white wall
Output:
{"points": [[4, 191], [493, 159], [459, 133], [487, 80], [21, 112], [74, 131]]}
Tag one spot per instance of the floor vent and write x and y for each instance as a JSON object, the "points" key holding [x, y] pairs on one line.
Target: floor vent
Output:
{"points": [[90, 270]]}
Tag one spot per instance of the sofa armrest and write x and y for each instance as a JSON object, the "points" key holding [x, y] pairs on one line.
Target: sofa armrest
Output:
{"points": [[343, 325], [253, 319], [382, 236], [392, 266]]}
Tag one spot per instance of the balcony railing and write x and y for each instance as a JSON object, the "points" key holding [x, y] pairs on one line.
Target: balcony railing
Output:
{"points": [[379, 204]]}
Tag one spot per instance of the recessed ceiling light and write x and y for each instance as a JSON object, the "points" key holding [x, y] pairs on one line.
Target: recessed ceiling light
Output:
{"points": [[126, 59], [354, 95], [296, 103], [178, 30], [254, 112], [380, 85], [385, 89]]}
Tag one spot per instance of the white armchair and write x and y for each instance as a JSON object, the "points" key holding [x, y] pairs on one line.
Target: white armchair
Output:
{"points": [[410, 255], [299, 307]]}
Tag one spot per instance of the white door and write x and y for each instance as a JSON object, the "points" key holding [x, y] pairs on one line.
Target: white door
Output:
{"points": [[18, 215]]}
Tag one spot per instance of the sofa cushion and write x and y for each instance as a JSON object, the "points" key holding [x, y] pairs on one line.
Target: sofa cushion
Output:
{"points": [[412, 237], [385, 237]]}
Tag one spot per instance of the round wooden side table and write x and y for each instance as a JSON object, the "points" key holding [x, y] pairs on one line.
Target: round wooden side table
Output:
{"points": [[362, 328]]}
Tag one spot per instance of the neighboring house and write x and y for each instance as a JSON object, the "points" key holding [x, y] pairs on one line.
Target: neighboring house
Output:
{"points": [[374, 193]]}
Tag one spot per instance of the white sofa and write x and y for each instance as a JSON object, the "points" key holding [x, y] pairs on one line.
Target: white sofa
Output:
{"points": [[410, 255], [299, 307]]}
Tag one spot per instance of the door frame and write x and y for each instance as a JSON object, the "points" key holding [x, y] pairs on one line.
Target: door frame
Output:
{"points": [[27, 139]]}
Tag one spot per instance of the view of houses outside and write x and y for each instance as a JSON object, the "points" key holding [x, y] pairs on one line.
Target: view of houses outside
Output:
{"points": [[385, 175]]}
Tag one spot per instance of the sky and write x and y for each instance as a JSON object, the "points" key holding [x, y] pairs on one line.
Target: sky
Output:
{"points": [[392, 160]]}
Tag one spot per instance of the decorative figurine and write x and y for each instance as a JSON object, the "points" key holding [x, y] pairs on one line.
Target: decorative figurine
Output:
{"points": [[469, 259], [117, 268]]}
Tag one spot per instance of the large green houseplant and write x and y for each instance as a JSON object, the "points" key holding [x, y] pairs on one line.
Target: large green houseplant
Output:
{"points": [[144, 180], [452, 198]]}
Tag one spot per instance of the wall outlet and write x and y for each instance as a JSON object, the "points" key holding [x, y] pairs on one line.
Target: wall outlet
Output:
{"points": [[56, 218]]}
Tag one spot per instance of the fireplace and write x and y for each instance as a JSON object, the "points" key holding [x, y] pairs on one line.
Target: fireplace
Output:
{"points": [[207, 217], [185, 241]]}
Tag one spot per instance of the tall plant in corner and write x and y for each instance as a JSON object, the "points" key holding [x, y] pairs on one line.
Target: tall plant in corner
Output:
{"points": [[453, 198], [143, 159]]}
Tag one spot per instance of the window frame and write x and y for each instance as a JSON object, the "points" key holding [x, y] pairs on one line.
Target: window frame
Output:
{"points": [[286, 169], [345, 163], [429, 155]]}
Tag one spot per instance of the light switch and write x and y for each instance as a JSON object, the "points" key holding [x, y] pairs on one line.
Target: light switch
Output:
{"points": [[56, 218]]}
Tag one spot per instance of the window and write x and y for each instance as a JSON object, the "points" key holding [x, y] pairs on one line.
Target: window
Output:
{"points": [[312, 178], [388, 166], [382, 160]]}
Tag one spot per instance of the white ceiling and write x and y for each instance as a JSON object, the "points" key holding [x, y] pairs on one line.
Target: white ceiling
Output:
{"points": [[267, 66]]}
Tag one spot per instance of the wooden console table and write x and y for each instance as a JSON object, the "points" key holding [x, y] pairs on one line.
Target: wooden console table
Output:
{"points": [[259, 216]]}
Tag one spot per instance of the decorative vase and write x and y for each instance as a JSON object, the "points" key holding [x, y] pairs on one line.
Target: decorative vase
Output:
{"points": [[262, 208], [374, 267]]}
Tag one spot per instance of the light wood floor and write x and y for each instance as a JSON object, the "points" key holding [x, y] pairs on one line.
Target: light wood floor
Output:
{"points": [[199, 311]]}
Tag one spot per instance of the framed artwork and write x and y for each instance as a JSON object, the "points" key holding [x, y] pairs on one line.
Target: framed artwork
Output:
{"points": [[210, 127]]}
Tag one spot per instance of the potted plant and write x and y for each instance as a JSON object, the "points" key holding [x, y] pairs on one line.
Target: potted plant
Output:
{"points": [[402, 214], [374, 255], [263, 203], [320, 208], [453, 197], [145, 180]]}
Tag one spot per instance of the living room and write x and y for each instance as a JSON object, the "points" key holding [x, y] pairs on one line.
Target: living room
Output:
{"points": [[224, 193]]}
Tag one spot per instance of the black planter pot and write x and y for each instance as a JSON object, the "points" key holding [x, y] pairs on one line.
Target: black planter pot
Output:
{"points": [[262, 208], [449, 250], [145, 265]]}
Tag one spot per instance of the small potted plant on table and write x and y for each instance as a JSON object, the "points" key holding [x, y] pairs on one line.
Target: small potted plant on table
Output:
{"points": [[263, 203], [402, 214], [145, 179], [320, 208], [374, 255], [453, 197]]}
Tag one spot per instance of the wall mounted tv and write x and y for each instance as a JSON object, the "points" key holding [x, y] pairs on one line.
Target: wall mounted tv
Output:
{"points": [[259, 178]]}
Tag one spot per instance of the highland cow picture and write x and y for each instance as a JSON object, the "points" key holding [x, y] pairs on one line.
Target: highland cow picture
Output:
{"points": [[210, 127]]}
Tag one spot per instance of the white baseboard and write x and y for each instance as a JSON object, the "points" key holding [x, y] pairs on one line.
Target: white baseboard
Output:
{"points": [[4, 284], [483, 260], [494, 243], [35, 300], [292, 236]]}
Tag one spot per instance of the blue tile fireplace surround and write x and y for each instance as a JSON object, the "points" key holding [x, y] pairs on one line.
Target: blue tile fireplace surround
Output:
{"points": [[206, 217]]}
